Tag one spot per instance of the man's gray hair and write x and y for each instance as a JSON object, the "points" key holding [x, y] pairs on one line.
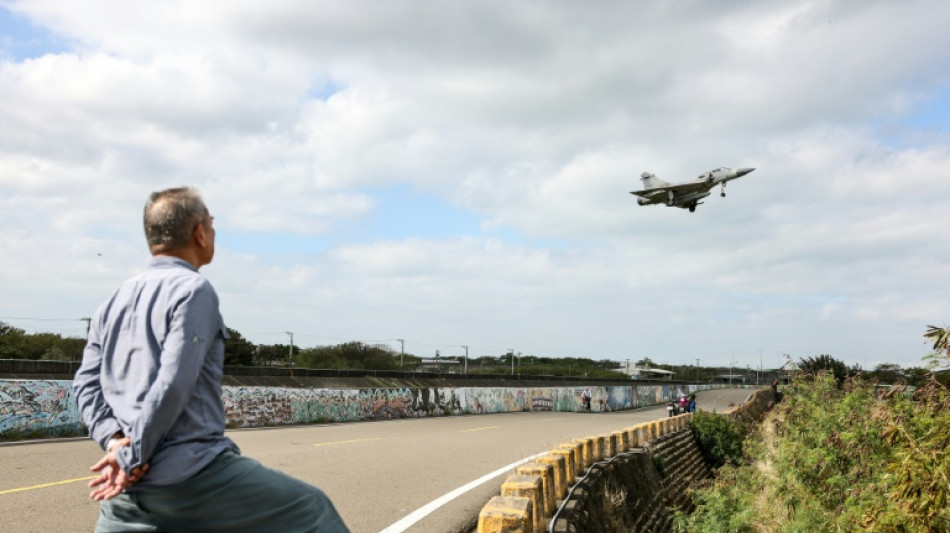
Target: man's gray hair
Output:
{"points": [[171, 216]]}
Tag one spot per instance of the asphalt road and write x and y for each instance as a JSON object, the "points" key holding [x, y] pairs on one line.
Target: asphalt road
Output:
{"points": [[415, 475]]}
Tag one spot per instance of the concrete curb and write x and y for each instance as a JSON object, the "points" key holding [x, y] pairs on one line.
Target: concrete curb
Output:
{"points": [[570, 462], [522, 513]]}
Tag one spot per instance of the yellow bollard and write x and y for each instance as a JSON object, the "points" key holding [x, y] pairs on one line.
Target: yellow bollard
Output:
{"points": [[569, 451], [546, 472], [631, 437], [506, 514], [598, 448], [643, 434], [584, 446], [619, 442], [529, 487], [560, 473]]}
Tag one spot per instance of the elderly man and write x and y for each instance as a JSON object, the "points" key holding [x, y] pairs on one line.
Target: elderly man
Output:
{"points": [[149, 389]]}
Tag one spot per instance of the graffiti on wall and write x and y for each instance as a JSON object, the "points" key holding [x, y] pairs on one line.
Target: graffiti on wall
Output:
{"points": [[46, 407], [267, 406], [49, 406]]}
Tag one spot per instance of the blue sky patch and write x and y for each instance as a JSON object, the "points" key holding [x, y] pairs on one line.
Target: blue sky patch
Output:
{"points": [[404, 213], [323, 89], [20, 39], [919, 127], [933, 115], [401, 213]]}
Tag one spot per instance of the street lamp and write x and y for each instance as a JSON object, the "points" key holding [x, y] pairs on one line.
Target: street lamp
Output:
{"points": [[290, 350]]}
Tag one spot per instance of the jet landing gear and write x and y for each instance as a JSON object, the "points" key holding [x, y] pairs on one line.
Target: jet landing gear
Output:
{"points": [[692, 207], [723, 191]]}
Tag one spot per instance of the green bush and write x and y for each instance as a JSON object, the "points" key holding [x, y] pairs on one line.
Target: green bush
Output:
{"points": [[728, 508], [833, 458], [719, 438]]}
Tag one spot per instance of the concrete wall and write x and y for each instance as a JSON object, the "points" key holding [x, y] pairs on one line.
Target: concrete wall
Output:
{"points": [[626, 481], [273, 406], [35, 408], [38, 408]]}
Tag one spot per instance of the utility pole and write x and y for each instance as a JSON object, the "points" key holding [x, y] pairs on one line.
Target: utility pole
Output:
{"points": [[697, 369], [290, 353], [465, 368], [760, 368], [512, 352], [402, 351], [88, 324], [732, 365]]}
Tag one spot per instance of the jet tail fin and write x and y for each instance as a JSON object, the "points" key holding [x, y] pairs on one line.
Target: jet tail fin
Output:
{"points": [[652, 182]]}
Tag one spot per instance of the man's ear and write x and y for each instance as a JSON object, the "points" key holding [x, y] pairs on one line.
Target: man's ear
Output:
{"points": [[200, 235]]}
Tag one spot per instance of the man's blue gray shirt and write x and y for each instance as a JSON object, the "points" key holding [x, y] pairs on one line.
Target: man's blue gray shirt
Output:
{"points": [[152, 369]]}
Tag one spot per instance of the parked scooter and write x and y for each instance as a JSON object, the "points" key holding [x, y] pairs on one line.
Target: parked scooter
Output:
{"points": [[677, 406], [673, 408]]}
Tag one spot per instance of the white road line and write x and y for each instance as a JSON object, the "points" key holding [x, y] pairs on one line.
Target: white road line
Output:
{"points": [[430, 507]]}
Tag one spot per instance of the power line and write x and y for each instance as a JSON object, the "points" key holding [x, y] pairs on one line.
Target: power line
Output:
{"points": [[41, 319]]}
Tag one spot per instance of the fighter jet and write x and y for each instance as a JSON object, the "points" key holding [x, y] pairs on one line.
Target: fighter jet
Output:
{"points": [[686, 195]]}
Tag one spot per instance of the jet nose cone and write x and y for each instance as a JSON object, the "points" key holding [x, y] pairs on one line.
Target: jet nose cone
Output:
{"points": [[743, 171]]}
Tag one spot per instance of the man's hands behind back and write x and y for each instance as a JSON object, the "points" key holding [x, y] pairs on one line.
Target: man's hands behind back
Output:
{"points": [[112, 480]]}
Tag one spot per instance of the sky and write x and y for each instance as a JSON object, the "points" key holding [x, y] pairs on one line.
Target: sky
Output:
{"points": [[457, 174]]}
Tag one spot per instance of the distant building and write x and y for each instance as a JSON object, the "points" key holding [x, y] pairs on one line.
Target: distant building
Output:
{"points": [[439, 364], [643, 372], [732, 378]]}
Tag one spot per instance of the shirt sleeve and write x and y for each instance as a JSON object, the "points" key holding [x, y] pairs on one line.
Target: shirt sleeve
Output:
{"points": [[96, 413], [193, 324]]}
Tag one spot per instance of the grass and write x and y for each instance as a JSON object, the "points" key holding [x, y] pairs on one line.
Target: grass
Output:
{"points": [[836, 458]]}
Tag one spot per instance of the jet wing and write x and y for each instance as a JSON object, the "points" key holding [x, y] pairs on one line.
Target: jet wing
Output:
{"points": [[678, 189]]}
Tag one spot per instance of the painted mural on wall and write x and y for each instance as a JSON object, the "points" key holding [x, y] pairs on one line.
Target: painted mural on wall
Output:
{"points": [[28, 406], [38, 407]]}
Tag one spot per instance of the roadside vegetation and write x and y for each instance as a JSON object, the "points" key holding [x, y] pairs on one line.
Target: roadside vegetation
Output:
{"points": [[16, 343], [838, 454]]}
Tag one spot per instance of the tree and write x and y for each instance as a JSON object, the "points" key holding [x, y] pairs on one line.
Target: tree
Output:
{"points": [[916, 375], [353, 355], [322, 357], [11, 342], [7, 329], [887, 373], [940, 359], [238, 351], [814, 365], [17, 344]]}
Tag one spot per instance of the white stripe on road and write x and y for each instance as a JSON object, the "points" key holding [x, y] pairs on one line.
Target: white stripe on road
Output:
{"points": [[430, 507]]}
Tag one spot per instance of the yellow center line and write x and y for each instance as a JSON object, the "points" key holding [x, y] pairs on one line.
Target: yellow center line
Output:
{"points": [[478, 429], [44, 485], [346, 441]]}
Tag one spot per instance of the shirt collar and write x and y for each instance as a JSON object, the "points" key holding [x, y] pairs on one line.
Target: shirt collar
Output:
{"points": [[166, 261]]}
